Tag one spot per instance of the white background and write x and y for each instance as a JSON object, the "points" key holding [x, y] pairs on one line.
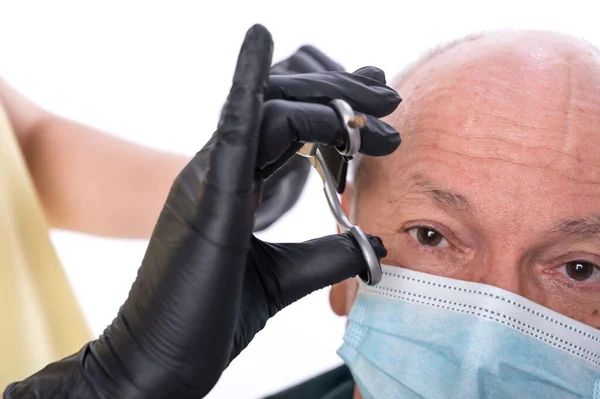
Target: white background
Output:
{"points": [[157, 72]]}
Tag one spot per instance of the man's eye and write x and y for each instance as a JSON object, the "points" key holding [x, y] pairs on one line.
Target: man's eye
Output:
{"points": [[428, 237], [581, 271]]}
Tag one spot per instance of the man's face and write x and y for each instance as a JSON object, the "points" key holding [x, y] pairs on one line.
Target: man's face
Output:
{"points": [[497, 179]]}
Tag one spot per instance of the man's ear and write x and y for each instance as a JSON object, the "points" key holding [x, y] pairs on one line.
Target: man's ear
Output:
{"points": [[342, 295]]}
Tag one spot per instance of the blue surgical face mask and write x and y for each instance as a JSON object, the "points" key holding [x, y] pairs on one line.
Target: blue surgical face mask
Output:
{"points": [[417, 335]]}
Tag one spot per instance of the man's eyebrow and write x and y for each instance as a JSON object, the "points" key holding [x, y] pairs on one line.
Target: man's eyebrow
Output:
{"points": [[581, 227], [447, 199]]}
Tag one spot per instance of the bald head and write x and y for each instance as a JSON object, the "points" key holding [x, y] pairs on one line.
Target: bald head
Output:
{"points": [[497, 179], [509, 80], [525, 77]]}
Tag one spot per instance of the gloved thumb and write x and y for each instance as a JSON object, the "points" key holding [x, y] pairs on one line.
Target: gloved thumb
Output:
{"points": [[296, 270]]}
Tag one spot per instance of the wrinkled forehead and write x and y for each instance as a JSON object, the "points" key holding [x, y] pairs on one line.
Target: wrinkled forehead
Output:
{"points": [[528, 98], [508, 60]]}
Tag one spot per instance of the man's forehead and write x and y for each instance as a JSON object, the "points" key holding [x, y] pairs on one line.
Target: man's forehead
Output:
{"points": [[528, 98], [504, 54]]}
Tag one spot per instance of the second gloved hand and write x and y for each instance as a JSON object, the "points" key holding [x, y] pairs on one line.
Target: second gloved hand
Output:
{"points": [[283, 188]]}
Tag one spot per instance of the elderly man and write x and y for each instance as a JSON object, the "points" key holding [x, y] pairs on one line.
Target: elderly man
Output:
{"points": [[491, 284], [490, 211]]}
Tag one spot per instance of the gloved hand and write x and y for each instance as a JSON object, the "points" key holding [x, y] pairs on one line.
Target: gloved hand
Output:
{"points": [[283, 188], [206, 285]]}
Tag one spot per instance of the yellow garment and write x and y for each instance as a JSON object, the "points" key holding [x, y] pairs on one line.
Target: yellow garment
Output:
{"points": [[40, 320]]}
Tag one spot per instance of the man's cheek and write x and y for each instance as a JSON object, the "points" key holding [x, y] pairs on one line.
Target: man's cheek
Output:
{"points": [[587, 314], [577, 304], [593, 319]]}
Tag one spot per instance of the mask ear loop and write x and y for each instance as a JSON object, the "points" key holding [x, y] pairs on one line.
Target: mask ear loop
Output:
{"points": [[311, 151]]}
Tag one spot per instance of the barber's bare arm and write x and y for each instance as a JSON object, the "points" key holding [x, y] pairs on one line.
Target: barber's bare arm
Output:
{"points": [[93, 182], [88, 180]]}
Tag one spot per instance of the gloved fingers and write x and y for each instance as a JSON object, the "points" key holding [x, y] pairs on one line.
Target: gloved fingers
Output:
{"points": [[296, 270], [327, 63], [233, 157], [283, 188], [305, 60], [378, 138], [363, 93], [287, 125], [299, 62], [372, 73]]}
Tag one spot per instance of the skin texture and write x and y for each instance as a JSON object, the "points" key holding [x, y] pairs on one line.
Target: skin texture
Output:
{"points": [[76, 169], [96, 183], [507, 123]]}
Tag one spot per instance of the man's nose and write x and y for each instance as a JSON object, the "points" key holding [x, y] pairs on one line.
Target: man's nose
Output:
{"points": [[502, 271]]}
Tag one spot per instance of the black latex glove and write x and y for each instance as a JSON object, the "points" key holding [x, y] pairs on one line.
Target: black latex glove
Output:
{"points": [[283, 188], [207, 285]]}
